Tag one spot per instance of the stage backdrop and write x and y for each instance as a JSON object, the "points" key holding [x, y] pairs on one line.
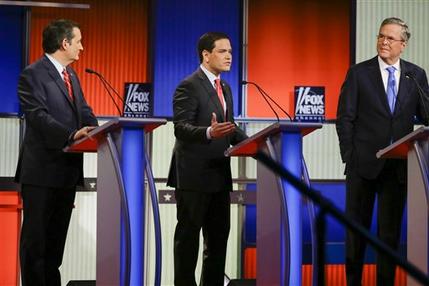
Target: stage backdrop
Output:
{"points": [[177, 27], [300, 43], [11, 35], [115, 42]]}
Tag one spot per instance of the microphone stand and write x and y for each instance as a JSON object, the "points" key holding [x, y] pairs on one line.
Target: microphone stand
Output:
{"points": [[107, 85], [265, 96], [421, 93]]}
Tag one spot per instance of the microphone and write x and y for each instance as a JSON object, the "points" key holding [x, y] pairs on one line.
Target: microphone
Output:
{"points": [[421, 93], [265, 96], [105, 84]]}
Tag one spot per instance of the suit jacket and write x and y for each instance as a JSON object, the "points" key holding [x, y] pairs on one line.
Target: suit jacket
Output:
{"points": [[199, 163], [364, 121], [51, 119]]}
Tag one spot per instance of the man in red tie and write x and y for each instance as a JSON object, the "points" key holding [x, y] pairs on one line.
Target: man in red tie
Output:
{"points": [[56, 113], [204, 128]]}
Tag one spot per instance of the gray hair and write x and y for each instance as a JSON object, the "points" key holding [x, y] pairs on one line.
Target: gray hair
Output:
{"points": [[405, 33]]}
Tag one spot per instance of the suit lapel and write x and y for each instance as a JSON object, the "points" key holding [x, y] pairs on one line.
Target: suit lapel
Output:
{"points": [[208, 86], [58, 80], [404, 88], [228, 100], [376, 79]]}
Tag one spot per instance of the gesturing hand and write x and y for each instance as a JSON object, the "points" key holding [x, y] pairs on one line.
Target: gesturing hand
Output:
{"points": [[220, 129]]}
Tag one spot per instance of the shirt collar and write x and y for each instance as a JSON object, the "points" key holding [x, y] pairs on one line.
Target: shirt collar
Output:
{"points": [[56, 63], [209, 75], [383, 65]]}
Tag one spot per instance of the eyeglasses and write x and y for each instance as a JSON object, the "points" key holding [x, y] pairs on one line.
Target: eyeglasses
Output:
{"points": [[390, 40]]}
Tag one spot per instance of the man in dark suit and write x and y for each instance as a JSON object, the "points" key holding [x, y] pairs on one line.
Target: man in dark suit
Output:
{"points": [[204, 128], [377, 106], [56, 113]]}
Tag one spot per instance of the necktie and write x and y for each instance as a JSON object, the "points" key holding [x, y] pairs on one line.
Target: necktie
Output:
{"points": [[391, 88], [219, 94], [68, 83]]}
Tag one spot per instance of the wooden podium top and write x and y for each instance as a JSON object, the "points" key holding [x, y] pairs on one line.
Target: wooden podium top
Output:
{"points": [[399, 149], [90, 144], [251, 145]]}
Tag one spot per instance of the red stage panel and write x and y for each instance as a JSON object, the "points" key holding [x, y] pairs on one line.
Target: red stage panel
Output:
{"points": [[115, 42], [335, 274], [10, 224], [292, 43]]}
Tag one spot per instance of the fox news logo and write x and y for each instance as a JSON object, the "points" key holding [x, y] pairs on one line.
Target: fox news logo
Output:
{"points": [[138, 100], [309, 103]]}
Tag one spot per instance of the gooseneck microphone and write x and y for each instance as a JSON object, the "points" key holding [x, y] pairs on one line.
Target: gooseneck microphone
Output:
{"points": [[421, 93], [106, 87], [265, 96]]}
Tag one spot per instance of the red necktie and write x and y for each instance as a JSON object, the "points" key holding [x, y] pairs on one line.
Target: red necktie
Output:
{"points": [[68, 83], [220, 94]]}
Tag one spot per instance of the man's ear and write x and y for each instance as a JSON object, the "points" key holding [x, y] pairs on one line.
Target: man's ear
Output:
{"points": [[64, 44], [205, 56]]}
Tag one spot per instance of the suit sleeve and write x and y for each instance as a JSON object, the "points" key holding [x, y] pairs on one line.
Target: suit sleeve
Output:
{"points": [[185, 114], [239, 135], [346, 115], [34, 106]]}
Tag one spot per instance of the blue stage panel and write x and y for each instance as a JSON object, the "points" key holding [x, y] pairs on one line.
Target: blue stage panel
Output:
{"points": [[177, 28], [11, 51]]}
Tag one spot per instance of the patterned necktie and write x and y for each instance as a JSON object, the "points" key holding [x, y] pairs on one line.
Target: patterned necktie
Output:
{"points": [[68, 83], [391, 88], [220, 94]]}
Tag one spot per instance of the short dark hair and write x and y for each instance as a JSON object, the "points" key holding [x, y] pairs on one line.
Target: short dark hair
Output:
{"points": [[56, 32], [405, 32], [207, 42]]}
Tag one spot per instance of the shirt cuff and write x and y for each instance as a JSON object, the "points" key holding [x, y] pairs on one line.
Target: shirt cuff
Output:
{"points": [[208, 132]]}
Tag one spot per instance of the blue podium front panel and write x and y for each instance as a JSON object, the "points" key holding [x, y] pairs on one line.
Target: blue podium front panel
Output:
{"points": [[133, 165]]}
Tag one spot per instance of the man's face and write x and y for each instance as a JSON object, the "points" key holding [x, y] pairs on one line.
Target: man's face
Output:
{"points": [[220, 58], [74, 47], [390, 43]]}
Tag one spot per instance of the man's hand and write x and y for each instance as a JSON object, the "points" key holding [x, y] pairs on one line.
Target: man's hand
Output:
{"points": [[83, 132], [220, 129]]}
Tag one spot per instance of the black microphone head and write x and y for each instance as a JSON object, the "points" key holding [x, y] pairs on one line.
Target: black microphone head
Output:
{"points": [[89, 70]]}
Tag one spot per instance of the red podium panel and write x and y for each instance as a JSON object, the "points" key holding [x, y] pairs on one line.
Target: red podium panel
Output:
{"points": [[251, 145], [98, 134], [10, 225]]}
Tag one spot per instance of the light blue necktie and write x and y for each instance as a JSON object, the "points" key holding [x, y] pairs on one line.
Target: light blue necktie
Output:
{"points": [[391, 88]]}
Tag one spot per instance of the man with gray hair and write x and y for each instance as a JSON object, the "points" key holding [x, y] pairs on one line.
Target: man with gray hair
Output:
{"points": [[377, 106]]}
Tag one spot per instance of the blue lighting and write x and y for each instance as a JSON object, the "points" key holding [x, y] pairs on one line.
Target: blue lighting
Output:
{"points": [[178, 26], [291, 158], [133, 165], [11, 49]]}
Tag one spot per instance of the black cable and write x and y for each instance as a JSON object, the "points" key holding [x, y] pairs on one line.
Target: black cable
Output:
{"points": [[329, 208]]}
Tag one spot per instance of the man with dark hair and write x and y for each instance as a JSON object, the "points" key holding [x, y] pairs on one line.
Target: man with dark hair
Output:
{"points": [[377, 106], [56, 114], [204, 128]]}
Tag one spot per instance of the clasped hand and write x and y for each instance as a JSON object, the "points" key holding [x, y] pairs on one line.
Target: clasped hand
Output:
{"points": [[220, 129], [83, 132]]}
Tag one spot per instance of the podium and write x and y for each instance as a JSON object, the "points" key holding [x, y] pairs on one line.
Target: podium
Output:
{"points": [[120, 197], [278, 238], [415, 148]]}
